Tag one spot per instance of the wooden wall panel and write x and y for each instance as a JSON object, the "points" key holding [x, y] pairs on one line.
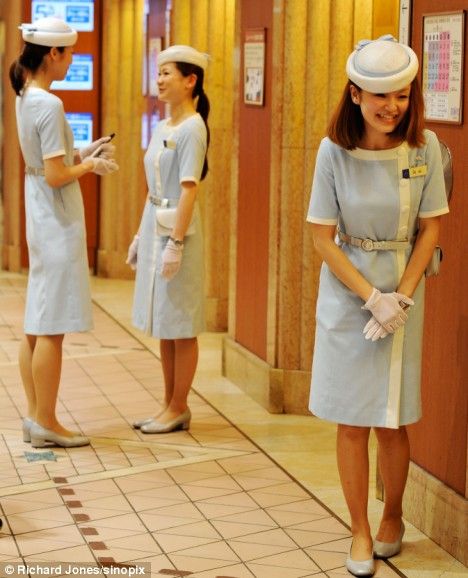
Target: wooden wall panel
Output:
{"points": [[253, 196], [439, 441]]}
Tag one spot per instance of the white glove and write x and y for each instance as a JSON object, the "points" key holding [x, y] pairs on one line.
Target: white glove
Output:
{"points": [[373, 330], [171, 259], [386, 308], [102, 166], [133, 253], [106, 151]]}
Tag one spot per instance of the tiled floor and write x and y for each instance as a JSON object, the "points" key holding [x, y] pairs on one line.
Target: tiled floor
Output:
{"points": [[209, 502]]}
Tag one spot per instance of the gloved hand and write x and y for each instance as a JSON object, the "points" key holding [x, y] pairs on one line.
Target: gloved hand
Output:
{"points": [[171, 260], [373, 330], [107, 149], [133, 253], [102, 166], [386, 308]]}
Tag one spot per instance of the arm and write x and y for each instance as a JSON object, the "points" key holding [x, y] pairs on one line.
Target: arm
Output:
{"points": [[426, 242], [58, 174], [338, 262], [185, 209]]}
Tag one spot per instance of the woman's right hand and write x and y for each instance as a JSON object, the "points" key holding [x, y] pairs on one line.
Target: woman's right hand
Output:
{"points": [[387, 309], [102, 166], [133, 252]]}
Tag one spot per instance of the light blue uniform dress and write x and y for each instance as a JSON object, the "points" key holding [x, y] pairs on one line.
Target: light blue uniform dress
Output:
{"points": [[171, 309], [356, 381], [58, 296]]}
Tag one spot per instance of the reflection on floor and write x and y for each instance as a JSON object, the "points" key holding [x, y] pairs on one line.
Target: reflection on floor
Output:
{"points": [[211, 502]]}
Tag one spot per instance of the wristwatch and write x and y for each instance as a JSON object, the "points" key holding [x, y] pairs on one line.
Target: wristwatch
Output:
{"points": [[177, 242]]}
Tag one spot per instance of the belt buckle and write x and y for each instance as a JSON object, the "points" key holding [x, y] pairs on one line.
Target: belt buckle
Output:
{"points": [[367, 245]]}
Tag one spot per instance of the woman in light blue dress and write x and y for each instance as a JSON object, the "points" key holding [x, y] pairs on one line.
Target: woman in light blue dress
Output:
{"points": [[168, 249], [377, 197], [58, 297]]}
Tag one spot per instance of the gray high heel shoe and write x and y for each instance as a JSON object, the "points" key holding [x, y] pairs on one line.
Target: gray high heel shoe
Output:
{"points": [[360, 567], [40, 436], [388, 549], [27, 423], [182, 421]]}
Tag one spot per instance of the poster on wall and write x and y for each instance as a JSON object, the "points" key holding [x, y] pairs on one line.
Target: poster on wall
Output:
{"points": [[442, 69], [254, 66], [81, 124], [79, 75], [79, 14]]}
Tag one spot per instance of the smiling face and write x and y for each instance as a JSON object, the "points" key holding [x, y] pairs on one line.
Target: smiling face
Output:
{"points": [[173, 87], [382, 113]]}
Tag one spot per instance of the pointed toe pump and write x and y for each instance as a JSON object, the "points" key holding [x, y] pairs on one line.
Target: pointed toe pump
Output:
{"points": [[360, 567], [386, 550], [182, 421], [41, 436]]}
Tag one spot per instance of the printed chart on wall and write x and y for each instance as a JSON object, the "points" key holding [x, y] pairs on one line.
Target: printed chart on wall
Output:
{"points": [[443, 66], [254, 66]]}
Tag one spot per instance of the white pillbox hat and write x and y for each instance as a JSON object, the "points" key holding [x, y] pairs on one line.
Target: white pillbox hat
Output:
{"points": [[182, 53], [382, 65], [49, 31]]}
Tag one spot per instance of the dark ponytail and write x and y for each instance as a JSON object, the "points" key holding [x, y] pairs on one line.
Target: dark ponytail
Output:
{"points": [[203, 104], [30, 61]]}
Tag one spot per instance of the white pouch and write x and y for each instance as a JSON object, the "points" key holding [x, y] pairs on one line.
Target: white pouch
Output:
{"points": [[434, 264], [165, 221]]}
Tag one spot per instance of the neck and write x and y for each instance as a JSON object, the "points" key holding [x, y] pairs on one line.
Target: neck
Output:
{"points": [[40, 80], [379, 142], [181, 111]]}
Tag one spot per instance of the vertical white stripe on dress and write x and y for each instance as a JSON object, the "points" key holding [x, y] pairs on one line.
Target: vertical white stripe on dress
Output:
{"points": [[395, 374]]}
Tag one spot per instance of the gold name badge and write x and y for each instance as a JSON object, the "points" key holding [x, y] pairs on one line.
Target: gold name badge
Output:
{"points": [[418, 171]]}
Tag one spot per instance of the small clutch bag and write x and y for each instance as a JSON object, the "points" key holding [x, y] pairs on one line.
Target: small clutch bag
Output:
{"points": [[434, 264], [165, 221]]}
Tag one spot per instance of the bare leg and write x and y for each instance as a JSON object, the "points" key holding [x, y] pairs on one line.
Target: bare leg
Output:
{"points": [[394, 458], [167, 349], [46, 371], [353, 466], [185, 361], [25, 358]]}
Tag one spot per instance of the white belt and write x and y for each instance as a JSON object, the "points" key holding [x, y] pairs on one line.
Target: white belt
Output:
{"points": [[34, 171], [370, 245]]}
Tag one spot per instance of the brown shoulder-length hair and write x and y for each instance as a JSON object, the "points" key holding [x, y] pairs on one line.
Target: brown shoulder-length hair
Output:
{"points": [[346, 127]]}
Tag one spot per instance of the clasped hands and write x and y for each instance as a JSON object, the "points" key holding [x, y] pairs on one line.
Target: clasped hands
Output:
{"points": [[103, 162], [388, 313]]}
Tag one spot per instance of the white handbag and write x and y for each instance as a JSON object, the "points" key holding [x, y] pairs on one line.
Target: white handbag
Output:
{"points": [[165, 221], [433, 267]]}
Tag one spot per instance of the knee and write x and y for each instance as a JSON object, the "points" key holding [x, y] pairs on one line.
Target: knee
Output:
{"points": [[387, 435], [353, 433]]}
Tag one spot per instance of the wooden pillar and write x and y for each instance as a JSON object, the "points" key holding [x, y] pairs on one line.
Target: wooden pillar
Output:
{"points": [[123, 193], [12, 167], [309, 43]]}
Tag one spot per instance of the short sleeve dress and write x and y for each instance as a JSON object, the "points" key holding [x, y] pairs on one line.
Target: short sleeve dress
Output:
{"points": [[58, 295], [171, 309], [370, 194]]}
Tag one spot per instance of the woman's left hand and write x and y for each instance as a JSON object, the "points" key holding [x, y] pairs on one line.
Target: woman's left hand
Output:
{"points": [[171, 260], [107, 150]]}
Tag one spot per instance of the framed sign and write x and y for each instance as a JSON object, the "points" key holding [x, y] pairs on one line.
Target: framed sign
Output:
{"points": [[254, 66], [442, 68]]}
